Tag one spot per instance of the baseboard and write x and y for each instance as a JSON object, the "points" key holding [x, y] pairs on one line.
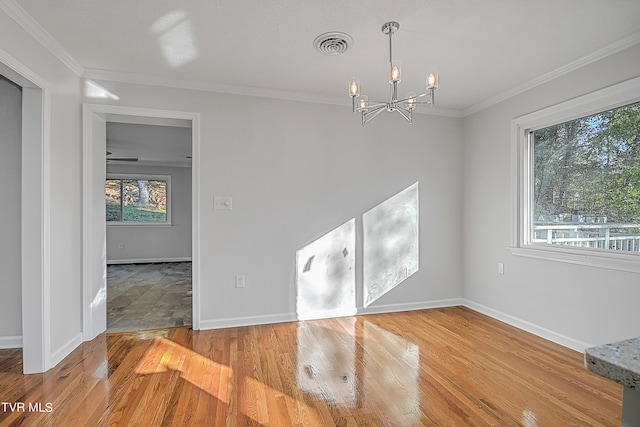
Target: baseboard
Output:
{"points": [[545, 333], [147, 260], [233, 322], [65, 350], [423, 305], [11, 342]]}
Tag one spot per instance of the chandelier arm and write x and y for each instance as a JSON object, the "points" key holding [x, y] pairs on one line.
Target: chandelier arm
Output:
{"points": [[376, 104], [367, 116], [413, 97], [405, 112]]}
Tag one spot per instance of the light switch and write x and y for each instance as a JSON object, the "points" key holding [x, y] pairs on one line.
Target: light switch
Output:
{"points": [[222, 203]]}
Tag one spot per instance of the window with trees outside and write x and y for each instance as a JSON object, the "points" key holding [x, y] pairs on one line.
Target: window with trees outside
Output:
{"points": [[139, 200], [578, 178]]}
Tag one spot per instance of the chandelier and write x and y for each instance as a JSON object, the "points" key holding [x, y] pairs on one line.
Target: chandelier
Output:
{"points": [[404, 106]]}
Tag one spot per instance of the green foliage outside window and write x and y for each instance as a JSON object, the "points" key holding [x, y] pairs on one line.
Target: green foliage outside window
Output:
{"points": [[589, 168], [130, 200]]}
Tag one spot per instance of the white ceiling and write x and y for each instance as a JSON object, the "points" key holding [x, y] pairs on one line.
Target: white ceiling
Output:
{"points": [[482, 49], [152, 144]]}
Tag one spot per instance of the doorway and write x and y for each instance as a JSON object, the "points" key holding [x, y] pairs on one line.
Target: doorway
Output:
{"points": [[35, 214], [95, 119], [148, 234], [11, 224]]}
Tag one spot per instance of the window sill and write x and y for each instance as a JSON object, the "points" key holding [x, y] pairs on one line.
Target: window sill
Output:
{"points": [[588, 257], [138, 224]]}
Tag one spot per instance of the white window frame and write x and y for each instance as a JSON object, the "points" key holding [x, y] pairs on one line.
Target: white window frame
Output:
{"points": [[624, 93], [137, 176]]}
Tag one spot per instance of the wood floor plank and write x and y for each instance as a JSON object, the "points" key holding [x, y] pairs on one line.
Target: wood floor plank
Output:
{"points": [[439, 367]]}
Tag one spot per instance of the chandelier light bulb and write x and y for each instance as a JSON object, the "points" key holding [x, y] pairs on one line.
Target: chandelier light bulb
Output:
{"points": [[432, 80], [411, 102], [354, 87], [395, 73], [363, 103]]}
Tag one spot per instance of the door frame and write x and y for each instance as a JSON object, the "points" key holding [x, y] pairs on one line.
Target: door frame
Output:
{"points": [[36, 214], [94, 283]]}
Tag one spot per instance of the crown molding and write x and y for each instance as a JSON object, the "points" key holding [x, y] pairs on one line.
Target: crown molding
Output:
{"points": [[152, 80], [624, 43], [31, 26]]}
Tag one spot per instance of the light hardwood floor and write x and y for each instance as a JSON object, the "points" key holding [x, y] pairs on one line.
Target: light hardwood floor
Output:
{"points": [[439, 367]]}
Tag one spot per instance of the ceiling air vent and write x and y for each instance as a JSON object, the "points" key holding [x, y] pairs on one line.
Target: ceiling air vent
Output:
{"points": [[333, 43]]}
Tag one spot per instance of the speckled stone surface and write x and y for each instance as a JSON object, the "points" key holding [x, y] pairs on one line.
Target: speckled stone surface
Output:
{"points": [[619, 361]]}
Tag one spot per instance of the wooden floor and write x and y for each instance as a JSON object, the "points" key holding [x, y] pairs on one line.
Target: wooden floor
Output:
{"points": [[440, 367]]}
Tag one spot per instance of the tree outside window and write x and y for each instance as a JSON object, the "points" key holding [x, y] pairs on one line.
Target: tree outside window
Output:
{"points": [[136, 200], [586, 181]]}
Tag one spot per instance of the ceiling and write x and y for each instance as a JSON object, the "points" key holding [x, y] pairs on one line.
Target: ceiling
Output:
{"points": [[482, 49], [152, 144]]}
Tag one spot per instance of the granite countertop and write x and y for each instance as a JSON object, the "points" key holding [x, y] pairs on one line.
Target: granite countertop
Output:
{"points": [[619, 361]]}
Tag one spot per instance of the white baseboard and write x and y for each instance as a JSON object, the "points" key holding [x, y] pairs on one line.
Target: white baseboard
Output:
{"points": [[11, 342], [423, 305], [545, 333], [65, 350], [233, 322], [147, 260]]}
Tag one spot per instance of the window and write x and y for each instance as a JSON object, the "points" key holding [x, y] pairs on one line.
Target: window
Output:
{"points": [[137, 199], [576, 180]]}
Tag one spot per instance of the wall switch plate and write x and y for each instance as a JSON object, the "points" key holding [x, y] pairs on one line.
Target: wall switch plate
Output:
{"points": [[500, 268], [222, 203], [239, 280]]}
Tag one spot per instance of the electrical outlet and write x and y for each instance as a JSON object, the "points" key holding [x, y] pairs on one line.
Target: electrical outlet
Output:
{"points": [[239, 280], [500, 268], [120, 245]]}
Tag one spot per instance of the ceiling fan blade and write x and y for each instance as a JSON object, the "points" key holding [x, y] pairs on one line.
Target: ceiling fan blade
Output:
{"points": [[123, 159]]}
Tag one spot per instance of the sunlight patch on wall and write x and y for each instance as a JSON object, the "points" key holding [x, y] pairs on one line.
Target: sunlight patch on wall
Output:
{"points": [[94, 90], [176, 38], [325, 275], [390, 247]]}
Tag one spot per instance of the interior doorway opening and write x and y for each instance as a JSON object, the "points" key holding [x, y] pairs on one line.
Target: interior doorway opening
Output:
{"points": [[148, 216], [98, 246], [34, 225]]}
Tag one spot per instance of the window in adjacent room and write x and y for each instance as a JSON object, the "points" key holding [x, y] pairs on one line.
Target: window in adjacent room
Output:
{"points": [[133, 199], [577, 180]]}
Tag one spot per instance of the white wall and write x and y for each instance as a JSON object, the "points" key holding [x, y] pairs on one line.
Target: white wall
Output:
{"points": [[10, 189], [155, 243], [65, 182], [577, 305], [296, 171]]}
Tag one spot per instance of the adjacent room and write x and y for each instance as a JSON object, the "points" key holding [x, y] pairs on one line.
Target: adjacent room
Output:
{"points": [[148, 216], [320, 214]]}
